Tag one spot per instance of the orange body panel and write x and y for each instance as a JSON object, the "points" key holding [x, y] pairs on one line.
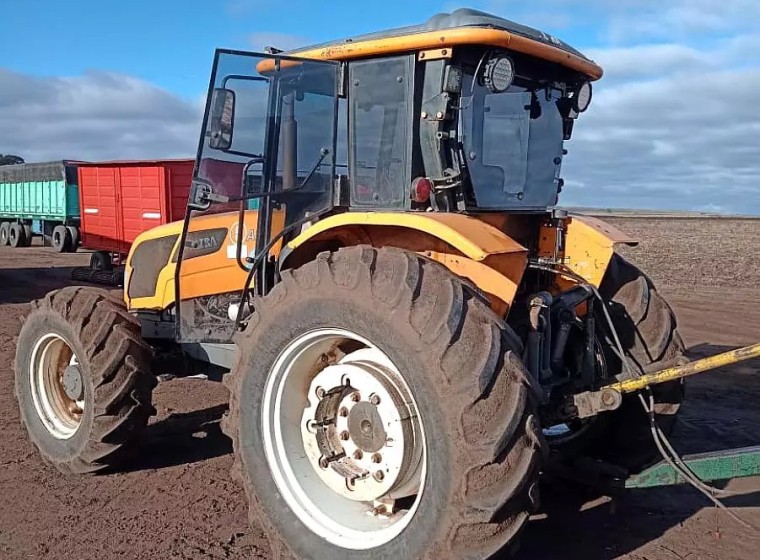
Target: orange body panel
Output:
{"points": [[219, 272]]}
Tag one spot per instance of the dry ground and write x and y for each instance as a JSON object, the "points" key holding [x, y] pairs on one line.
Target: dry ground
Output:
{"points": [[178, 501]]}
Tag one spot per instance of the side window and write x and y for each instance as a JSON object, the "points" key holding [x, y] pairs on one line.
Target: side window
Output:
{"points": [[379, 122]]}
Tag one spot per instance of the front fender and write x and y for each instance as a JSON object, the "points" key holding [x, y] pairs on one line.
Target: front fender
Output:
{"points": [[589, 246]]}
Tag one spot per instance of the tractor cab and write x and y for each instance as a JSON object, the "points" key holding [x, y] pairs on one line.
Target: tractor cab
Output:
{"points": [[467, 113]]}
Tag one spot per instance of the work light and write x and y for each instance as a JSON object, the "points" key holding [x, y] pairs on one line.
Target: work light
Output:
{"points": [[582, 97], [498, 74]]}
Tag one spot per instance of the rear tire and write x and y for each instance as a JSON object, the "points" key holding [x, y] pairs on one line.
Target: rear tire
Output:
{"points": [[89, 330], [28, 236], [74, 235], [5, 230], [61, 239], [462, 366], [16, 236], [648, 332]]}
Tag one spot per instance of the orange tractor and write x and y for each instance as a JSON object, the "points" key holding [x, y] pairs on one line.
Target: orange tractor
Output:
{"points": [[372, 261]]}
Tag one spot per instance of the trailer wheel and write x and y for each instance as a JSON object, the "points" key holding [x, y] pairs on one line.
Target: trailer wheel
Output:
{"points": [[5, 230], [28, 235], [74, 235], [101, 260], [83, 379], [61, 239], [16, 236], [379, 409], [648, 332]]}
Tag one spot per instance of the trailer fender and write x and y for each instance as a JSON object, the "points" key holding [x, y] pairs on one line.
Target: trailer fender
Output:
{"points": [[469, 247]]}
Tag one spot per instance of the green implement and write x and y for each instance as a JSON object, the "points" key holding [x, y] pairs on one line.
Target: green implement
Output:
{"points": [[719, 465]]}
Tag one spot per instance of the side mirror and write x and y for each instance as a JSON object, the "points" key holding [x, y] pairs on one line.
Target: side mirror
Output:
{"points": [[221, 119]]}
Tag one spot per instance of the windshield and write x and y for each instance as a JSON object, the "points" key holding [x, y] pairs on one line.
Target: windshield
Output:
{"points": [[281, 140], [513, 144]]}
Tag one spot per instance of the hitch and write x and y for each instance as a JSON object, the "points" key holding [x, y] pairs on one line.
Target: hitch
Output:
{"points": [[609, 397]]}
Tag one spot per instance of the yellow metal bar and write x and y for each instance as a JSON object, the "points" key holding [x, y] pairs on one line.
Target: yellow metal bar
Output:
{"points": [[670, 374]]}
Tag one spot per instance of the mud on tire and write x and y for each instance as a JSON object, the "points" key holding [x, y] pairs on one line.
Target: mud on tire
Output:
{"points": [[116, 376], [484, 442]]}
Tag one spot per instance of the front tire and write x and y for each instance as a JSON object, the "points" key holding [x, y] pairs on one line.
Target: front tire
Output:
{"points": [[648, 332], [460, 365], [83, 380]]}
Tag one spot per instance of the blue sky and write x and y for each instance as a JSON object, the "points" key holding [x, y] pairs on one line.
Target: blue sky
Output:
{"points": [[674, 123]]}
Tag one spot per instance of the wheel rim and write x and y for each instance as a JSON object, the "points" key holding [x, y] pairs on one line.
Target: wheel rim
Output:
{"points": [[57, 386], [349, 456]]}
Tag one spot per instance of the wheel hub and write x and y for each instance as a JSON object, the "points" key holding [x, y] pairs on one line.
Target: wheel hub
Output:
{"points": [[365, 427], [72, 383], [358, 430]]}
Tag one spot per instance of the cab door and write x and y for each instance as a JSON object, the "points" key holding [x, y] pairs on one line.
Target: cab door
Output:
{"points": [[264, 165]]}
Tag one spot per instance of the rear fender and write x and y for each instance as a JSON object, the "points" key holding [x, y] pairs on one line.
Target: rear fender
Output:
{"points": [[469, 247]]}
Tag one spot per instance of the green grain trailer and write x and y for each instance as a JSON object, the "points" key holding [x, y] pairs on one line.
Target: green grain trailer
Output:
{"points": [[40, 199]]}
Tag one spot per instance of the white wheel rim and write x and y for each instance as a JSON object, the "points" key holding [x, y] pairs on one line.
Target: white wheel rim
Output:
{"points": [[60, 414], [370, 518]]}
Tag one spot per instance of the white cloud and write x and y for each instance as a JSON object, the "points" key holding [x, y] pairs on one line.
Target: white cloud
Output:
{"points": [[98, 115], [678, 140]]}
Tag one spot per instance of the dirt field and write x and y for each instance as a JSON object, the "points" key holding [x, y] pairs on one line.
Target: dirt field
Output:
{"points": [[178, 501]]}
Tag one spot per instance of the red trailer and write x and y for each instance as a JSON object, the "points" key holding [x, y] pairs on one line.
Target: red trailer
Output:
{"points": [[118, 200]]}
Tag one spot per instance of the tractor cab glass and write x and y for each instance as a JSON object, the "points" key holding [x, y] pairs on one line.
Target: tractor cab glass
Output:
{"points": [[264, 166], [512, 131]]}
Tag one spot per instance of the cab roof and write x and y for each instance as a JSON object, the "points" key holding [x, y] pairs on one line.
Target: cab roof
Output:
{"points": [[461, 27]]}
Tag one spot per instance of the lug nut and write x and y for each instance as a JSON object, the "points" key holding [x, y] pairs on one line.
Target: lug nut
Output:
{"points": [[374, 399], [358, 454], [379, 510], [376, 458], [320, 392], [343, 411], [379, 476], [311, 425], [356, 396], [323, 462], [344, 435]]}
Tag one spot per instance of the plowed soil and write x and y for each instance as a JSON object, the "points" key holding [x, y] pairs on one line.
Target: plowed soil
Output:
{"points": [[177, 501]]}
